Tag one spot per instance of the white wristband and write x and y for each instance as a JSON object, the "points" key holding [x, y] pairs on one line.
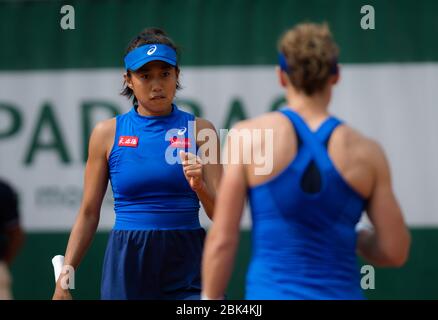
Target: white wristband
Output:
{"points": [[364, 226], [58, 263]]}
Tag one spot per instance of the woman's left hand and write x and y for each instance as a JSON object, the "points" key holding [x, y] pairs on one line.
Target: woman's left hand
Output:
{"points": [[192, 168]]}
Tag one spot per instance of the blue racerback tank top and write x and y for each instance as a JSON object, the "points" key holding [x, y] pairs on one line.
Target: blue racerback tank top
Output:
{"points": [[304, 244]]}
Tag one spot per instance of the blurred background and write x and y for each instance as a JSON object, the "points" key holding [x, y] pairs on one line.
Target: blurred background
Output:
{"points": [[55, 84]]}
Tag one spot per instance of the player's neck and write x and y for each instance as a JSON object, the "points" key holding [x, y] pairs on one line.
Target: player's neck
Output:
{"points": [[315, 105], [144, 111]]}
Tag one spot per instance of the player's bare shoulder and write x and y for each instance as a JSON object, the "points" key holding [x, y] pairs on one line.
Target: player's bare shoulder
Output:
{"points": [[202, 123], [270, 128], [356, 144], [273, 120], [102, 137], [204, 128]]}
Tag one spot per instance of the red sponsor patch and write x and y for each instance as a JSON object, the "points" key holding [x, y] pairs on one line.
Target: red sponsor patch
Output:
{"points": [[180, 142], [128, 141]]}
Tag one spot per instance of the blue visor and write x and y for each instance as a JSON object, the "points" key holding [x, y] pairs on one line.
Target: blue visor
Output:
{"points": [[147, 53]]}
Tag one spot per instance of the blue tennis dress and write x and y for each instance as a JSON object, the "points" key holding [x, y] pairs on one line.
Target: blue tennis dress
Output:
{"points": [[304, 242], [155, 247]]}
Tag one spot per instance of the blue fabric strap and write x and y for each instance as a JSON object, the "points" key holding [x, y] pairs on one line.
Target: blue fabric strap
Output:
{"points": [[311, 140]]}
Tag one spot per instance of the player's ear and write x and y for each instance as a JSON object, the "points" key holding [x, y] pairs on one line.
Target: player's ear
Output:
{"points": [[334, 79], [128, 79], [177, 72], [281, 76]]}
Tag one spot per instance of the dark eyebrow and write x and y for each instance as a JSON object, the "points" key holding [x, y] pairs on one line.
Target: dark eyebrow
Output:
{"points": [[143, 70], [166, 67]]}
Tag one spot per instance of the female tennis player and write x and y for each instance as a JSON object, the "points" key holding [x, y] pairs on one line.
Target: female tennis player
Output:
{"points": [[150, 156]]}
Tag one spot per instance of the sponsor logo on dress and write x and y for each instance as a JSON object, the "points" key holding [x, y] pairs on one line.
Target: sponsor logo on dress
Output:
{"points": [[182, 131], [128, 141], [180, 142]]}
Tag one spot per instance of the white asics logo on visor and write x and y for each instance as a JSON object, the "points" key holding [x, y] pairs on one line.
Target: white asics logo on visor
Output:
{"points": [[182, 131], [151, 50]]}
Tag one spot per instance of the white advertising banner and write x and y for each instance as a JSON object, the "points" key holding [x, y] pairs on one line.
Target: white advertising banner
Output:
{"points": [[45, 119]]}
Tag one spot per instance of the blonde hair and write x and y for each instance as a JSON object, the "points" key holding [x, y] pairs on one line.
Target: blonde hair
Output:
{"points": [[311, 56]]}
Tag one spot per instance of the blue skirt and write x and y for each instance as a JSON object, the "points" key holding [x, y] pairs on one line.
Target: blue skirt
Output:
{"points": [[153, 264]]}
